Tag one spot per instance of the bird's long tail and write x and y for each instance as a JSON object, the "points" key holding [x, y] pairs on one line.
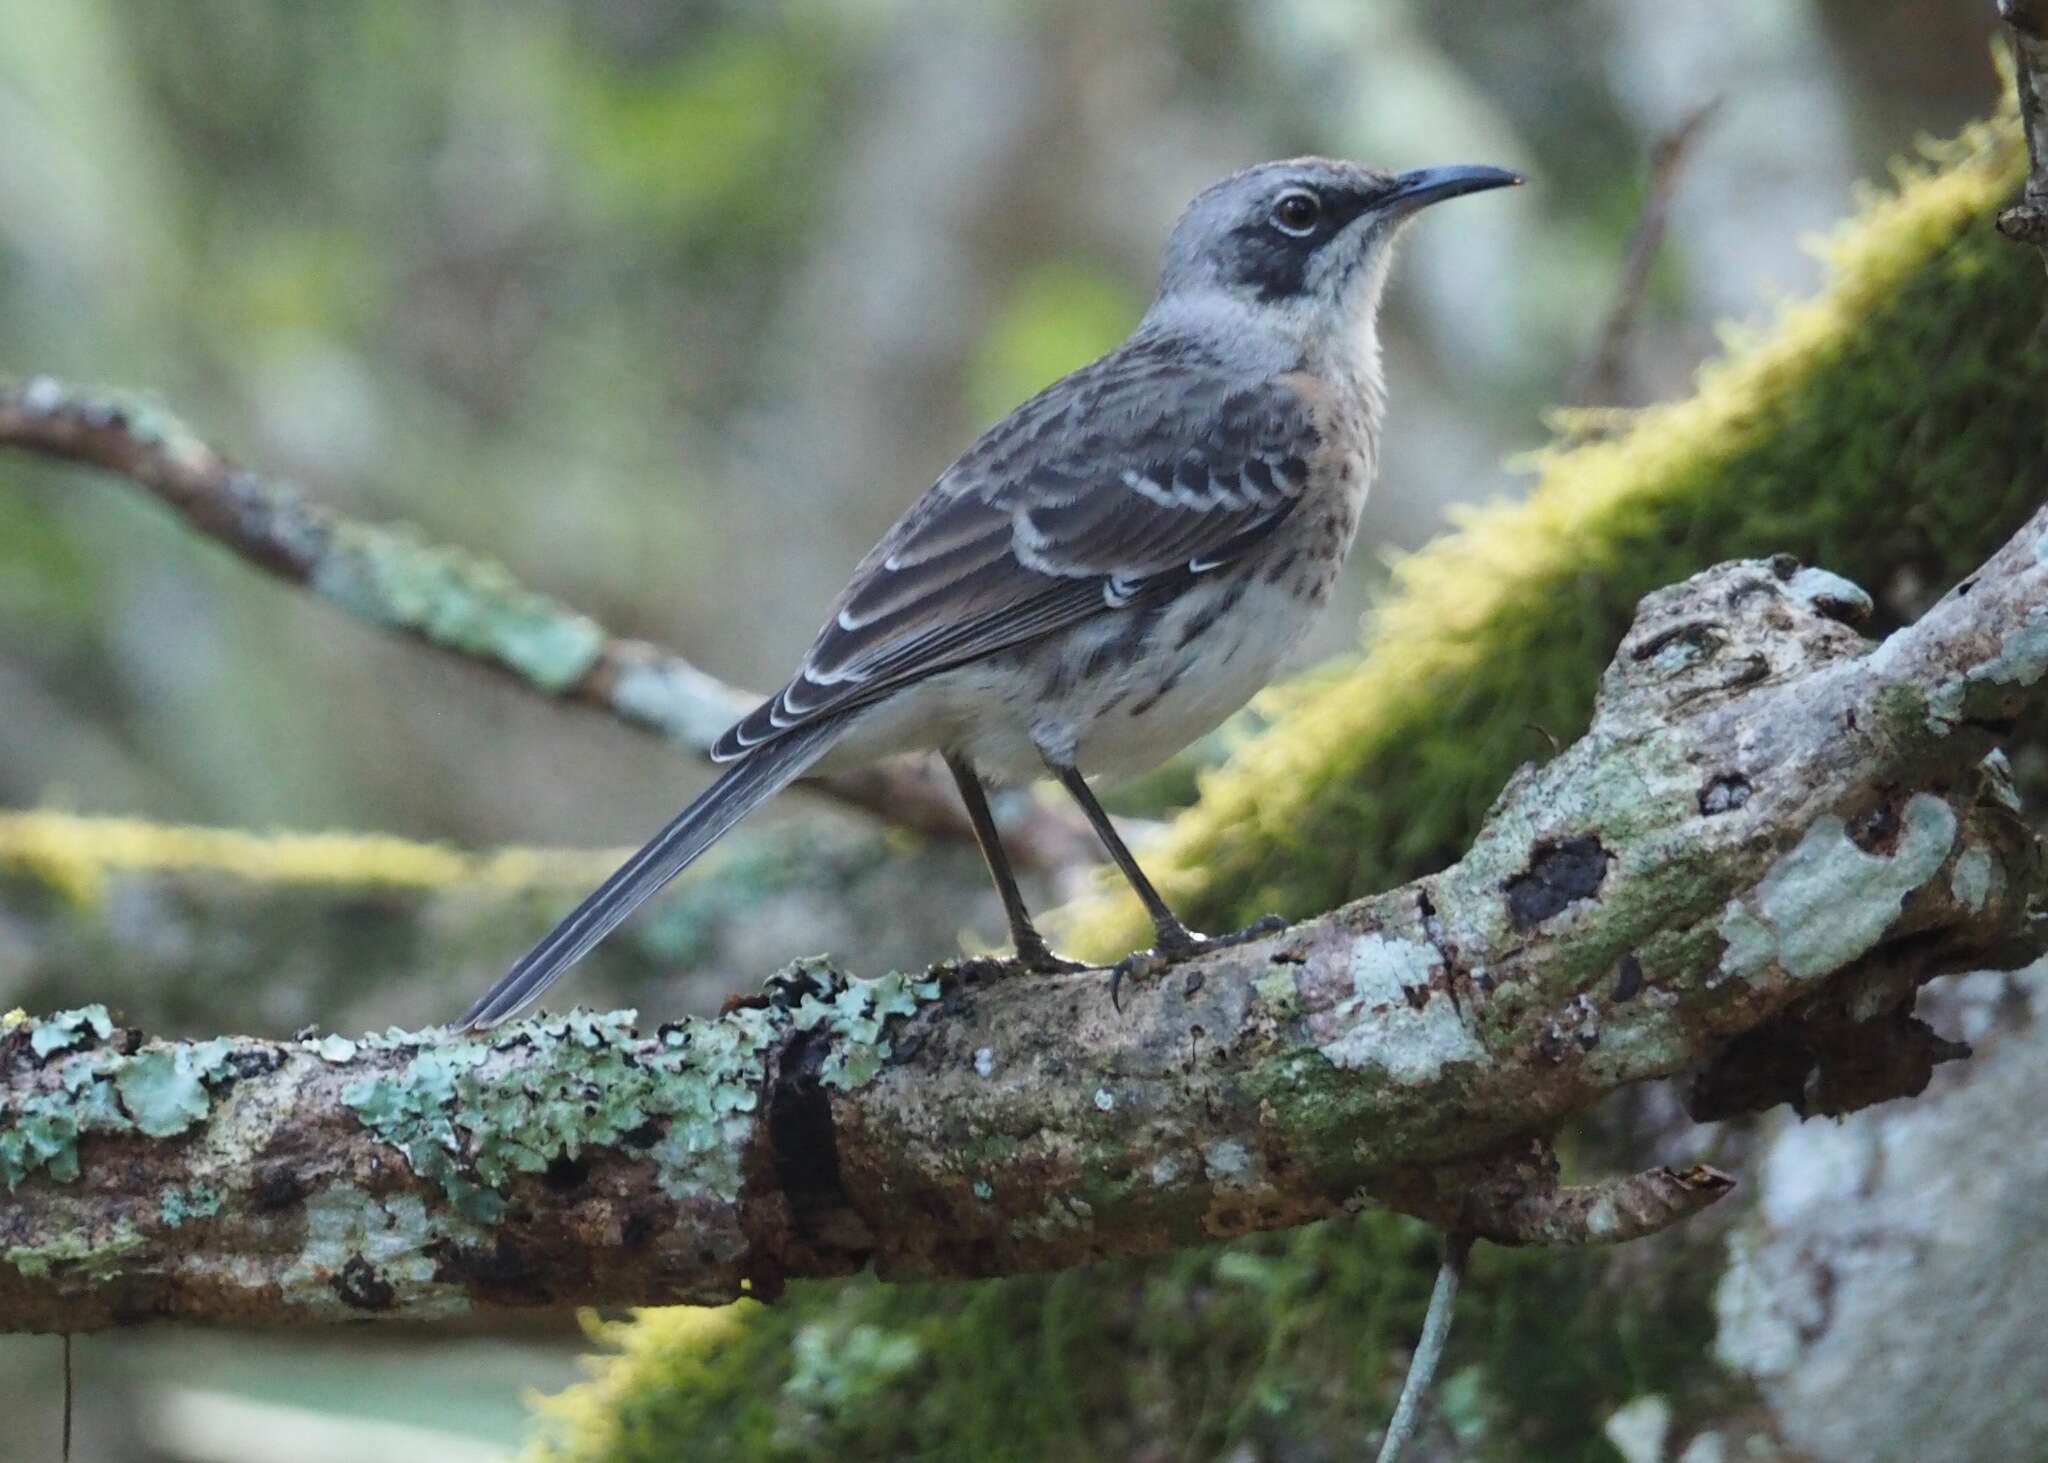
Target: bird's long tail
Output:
{"points": [[765, 772]]}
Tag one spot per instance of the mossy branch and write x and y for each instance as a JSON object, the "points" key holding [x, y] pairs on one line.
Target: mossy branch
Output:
{"points": [[1769, 821], [460, 604]]}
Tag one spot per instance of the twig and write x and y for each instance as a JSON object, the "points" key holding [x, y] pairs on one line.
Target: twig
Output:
{"points": [[1598, 380], [1436, 1331], [460, 604], [2027, 220], [1513, 1197], [67, 1397]]}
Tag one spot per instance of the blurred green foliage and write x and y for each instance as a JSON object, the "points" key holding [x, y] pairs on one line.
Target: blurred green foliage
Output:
{"points": [[1279, 1343], [1055, 316]]}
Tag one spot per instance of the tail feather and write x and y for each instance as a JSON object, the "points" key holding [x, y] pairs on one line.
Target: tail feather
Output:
{"points": [[752, 782]]}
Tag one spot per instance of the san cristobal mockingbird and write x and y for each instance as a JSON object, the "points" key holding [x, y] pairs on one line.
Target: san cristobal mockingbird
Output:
{"points": [[1116, 566]]}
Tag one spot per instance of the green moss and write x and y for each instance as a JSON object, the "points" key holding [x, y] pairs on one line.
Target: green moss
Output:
{"points": [[1891, 430], [76, 856]]}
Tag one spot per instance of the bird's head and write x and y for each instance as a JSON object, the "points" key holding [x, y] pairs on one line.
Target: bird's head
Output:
{"points": [[1299, 248]]}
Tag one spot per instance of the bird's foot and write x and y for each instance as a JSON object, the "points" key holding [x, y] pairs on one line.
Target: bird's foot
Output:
{"points": [[1176, 943], [1041, 959]]}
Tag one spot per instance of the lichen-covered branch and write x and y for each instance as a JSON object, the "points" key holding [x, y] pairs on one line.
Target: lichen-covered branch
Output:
{"points": [[459, 603], [2027, 24], [1766, 815]]}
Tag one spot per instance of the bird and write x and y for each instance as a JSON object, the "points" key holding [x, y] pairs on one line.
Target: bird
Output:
{"points": [[1112, 569]]}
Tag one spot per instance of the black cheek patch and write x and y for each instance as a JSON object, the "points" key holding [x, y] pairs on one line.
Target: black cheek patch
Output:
{"points": [[1273, 265]]}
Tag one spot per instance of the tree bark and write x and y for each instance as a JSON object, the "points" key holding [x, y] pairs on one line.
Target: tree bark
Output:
{"points": [[1769, 837]]}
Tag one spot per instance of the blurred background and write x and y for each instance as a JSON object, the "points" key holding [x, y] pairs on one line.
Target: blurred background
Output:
{"points": [[671, 307]]}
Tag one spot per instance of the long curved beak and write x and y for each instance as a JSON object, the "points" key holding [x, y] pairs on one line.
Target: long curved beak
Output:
{"points": [[1425, 186]]}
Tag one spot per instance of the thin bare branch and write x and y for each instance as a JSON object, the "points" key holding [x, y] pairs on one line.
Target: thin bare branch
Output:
{"points": [[1513, 1197], [1429, 1350], [1600, 379], [461, 604]]}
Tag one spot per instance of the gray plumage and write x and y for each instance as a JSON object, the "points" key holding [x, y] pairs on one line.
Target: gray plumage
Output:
{"points": [[1117, 565]]}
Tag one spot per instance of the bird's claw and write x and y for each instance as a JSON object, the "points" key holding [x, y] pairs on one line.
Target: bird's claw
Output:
{"points": [[1174, 946], [1142, 964]]}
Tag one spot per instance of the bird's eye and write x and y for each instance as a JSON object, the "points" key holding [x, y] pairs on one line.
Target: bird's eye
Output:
{"points": [[1297, 212]]}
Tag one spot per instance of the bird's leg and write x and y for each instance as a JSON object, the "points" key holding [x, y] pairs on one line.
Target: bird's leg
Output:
{"points": [[1032, 951], [1172, 940]]}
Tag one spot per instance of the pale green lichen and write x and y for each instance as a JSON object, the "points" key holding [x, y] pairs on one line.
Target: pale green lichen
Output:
{"points": [[390, 577], [1226, 1161], [1972, 878], [182, 1205], [1831, 594], [1639, 1429], [856, 1015], [359, 1251], [1383, 1029], [2022, 657], [1105, 1100], [1063, 1216], [164, 1089], [1827, 901], [161, 1091], [1603, 1219], [471, 1116], [68, 1029], [1945, 704], [1276, 987], [336, 1049], [2022, 660], [81, 1254]]}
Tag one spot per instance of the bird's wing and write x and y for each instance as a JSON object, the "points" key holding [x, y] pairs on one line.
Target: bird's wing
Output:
{"points": [[1102, 492]]}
